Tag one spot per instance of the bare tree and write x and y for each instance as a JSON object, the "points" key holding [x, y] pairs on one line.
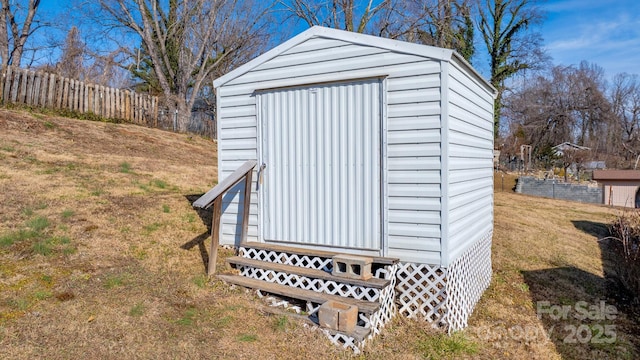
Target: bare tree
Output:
{"points": [[590, 104], [573, 157], [14, 30], [350, 15], [442, 23], [187, 41], [71, 63], [568, 104], [625, 104], [512, 47]]}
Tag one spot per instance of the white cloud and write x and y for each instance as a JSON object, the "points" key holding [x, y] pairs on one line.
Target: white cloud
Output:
{"points": [[605, 33]]}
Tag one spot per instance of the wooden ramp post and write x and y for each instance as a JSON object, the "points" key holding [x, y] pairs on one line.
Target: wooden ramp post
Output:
{"points": [[214, 197], [215, 235]]}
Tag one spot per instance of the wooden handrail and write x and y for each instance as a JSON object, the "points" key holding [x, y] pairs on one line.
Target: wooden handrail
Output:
{"points": [[214, 196], [207, 199]]}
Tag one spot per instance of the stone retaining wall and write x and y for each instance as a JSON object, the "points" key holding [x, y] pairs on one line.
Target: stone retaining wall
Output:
{"points": [[559, 190]]}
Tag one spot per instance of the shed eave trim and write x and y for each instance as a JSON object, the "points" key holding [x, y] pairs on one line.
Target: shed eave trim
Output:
{"points": [[474, 72]]}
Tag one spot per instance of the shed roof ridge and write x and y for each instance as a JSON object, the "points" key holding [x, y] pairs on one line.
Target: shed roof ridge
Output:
{"points": [[348, 36]]}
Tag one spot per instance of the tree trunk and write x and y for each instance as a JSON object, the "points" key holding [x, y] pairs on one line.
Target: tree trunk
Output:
{"points": [[180, 113]]}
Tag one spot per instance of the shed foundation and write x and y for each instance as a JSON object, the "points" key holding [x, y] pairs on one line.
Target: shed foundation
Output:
{"points": [[442, 296]]}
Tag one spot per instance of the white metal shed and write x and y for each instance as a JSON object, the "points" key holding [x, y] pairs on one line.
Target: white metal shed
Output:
{"points": [[370, 146]]}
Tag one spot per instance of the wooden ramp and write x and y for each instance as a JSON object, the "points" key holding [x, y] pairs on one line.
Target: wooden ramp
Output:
{"points": [[306, 275], [366, 307], [302, 271]]}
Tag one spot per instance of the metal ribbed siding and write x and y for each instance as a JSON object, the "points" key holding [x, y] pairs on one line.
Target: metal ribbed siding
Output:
{"points": [[321, 145]]}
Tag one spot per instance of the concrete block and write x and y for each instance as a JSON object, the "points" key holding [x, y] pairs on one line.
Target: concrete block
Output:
{"points": [[352, 266], [338, 316]]}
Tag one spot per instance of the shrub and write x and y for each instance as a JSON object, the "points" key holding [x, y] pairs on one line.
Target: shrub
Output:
{"points": [[625, 231]]}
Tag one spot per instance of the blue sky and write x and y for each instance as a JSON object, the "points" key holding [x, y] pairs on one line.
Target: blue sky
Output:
{"points": [[605, 32]]}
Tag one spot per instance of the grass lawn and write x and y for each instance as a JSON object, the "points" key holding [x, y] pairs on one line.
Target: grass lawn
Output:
{"points": [[101, 254]]}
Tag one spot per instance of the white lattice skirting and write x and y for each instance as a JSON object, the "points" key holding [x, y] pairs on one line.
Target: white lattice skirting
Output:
{"points": [[442, 296]]}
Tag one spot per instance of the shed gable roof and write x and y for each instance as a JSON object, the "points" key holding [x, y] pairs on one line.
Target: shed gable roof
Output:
{"points": [[355, 38]]}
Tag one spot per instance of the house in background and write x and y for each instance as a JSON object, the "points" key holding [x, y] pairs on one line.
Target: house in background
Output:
{"points": [[561, 148], [595, 165], [620, 187]]}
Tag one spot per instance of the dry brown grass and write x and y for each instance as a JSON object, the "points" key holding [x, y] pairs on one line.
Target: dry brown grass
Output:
{"points": [[94, 219], [548, 250]]}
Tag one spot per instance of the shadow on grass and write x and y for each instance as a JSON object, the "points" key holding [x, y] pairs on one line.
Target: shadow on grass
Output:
{"points": [[596, 229], [206, 216], [583, 314], [613, 287]]}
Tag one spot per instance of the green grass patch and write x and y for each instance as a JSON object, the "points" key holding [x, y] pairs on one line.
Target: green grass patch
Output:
{"points": [[165, 208], [200, 281], [125, 167], [7, 239], [248, 337], [64, 240], [137, 310], [42, 295], [49, 125], [27, 211], [188, 318], [223, 321], [46, 245], [159, 183], [31, 159], [17, 236], [69, 250], [233, 307], [143, 187], [138, 253], [189, 217], [443, 346], [114, 281], [38, 224], [7, 148], [19, 304], [67, 214], [96, 192], [149, 228], [42, 247], [281, 323], [47, 279], [49, 171]]}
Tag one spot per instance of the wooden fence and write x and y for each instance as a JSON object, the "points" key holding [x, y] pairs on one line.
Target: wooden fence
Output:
{"points": [[40, 89]]}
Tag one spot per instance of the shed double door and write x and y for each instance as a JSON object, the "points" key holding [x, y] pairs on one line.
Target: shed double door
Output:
{"points": [[321, 147]]}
